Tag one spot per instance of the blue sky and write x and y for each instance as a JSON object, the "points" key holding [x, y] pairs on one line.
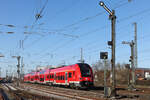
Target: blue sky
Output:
{"points": [[53, 39]]}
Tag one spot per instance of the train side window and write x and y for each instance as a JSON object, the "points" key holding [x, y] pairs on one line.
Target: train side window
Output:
{"points": [[70, 74], [61, 77]]}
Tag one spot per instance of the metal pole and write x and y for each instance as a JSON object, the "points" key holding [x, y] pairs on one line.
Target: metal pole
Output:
{"points": [[22, 65], [132, 63], [105, 81], [6, 74], [128, 76], [18, 70], [113, 22], [82, 61], [0, 71], [135, 41]]}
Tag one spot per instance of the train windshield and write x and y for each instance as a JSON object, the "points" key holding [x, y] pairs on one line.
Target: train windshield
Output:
{"points": [[85, 70]]}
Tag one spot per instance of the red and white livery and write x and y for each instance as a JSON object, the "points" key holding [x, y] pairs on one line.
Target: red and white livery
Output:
{"points": [[77, 75]]}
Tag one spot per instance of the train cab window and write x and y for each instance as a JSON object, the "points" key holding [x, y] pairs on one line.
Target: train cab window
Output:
{"points": [[70, 74], [85, 70]]}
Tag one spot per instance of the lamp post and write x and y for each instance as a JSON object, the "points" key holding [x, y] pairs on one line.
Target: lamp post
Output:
{"points": [[112, 43], [18, 68]]}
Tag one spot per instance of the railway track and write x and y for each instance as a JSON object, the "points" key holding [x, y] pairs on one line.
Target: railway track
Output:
{"points": [[3, 95], [92, 95], [20, 94], [39, 93], [42, 92]]}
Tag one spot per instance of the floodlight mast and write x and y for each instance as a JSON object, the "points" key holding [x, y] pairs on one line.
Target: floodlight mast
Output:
{"points": [[112, 17]]}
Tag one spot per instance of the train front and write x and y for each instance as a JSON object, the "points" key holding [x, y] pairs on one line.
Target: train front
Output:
{"points": [[86, 76]]}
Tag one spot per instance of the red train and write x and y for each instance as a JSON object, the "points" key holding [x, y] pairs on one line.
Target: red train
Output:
{"points": [[77, 75]]}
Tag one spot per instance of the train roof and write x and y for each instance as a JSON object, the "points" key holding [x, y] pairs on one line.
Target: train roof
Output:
{"points": [[60, 68], [69, 67], [46, 71], [26, 75]]}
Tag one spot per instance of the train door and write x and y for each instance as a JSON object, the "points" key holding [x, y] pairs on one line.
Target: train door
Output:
{"points": [[55, 78], [66, 77]]}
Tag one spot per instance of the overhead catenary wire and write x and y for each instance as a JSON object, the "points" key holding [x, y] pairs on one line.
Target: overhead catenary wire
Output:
{"points": [[85, 19], [37, 17], [120, 20], [94, 16]]}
